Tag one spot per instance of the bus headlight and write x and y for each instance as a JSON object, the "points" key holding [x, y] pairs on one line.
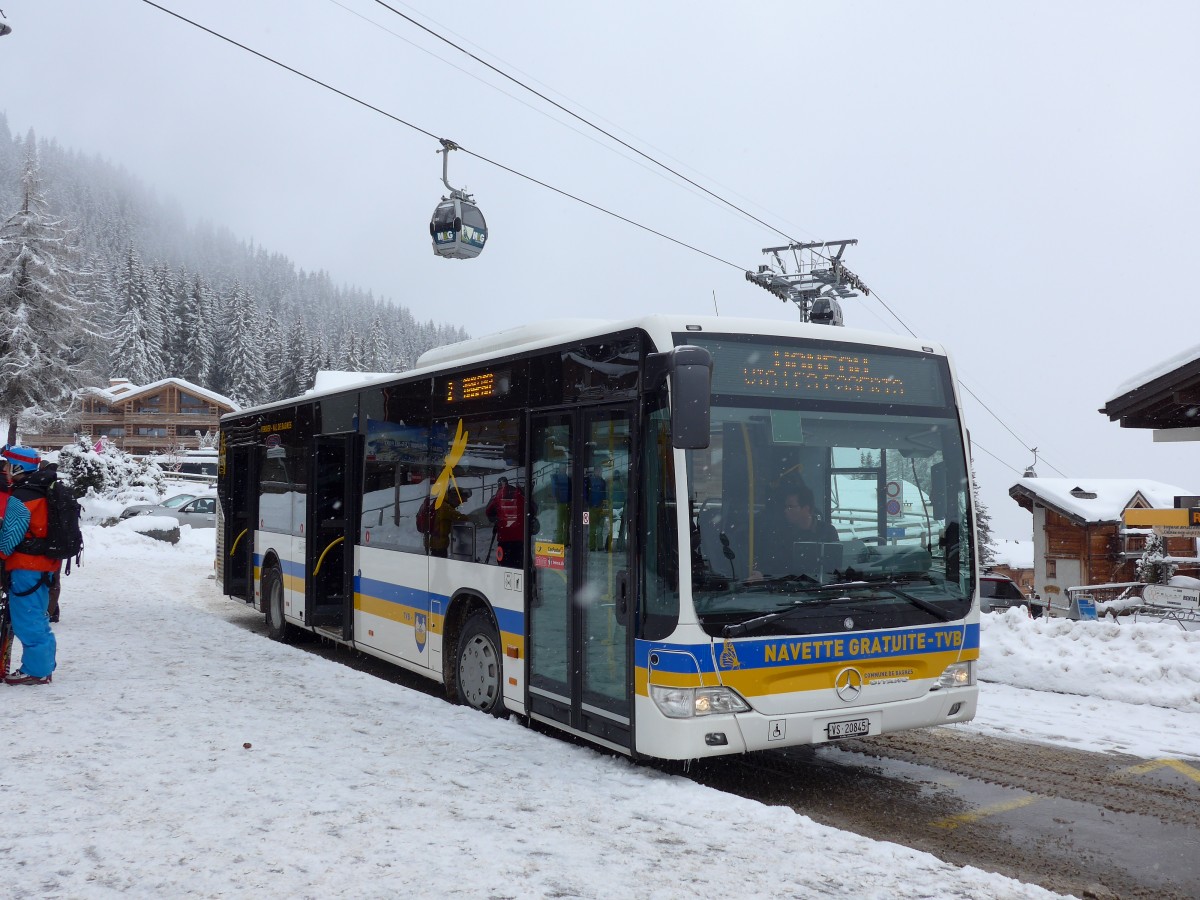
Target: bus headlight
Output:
{"points": [[957, 675], [684, 703]]}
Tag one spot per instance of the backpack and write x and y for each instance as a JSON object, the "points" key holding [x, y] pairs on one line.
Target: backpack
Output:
{"points": [[14, 522], [64, 538]]}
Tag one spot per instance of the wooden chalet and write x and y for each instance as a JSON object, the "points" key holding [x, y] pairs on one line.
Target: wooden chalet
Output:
{"points": [[167, 414], [1079, 535]]}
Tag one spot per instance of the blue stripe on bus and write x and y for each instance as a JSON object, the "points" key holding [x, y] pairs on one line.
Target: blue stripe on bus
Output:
{"points": [[510, 621], [685, 658], [287, 567], [395, 593]]}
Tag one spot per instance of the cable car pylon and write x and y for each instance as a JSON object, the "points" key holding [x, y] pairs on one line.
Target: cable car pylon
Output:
{"points": [[458, 228]]}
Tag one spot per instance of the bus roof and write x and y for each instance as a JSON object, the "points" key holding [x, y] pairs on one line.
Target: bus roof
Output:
{"points": [[661, 328]]}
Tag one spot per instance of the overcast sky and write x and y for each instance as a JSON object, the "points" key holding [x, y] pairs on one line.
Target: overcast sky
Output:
{"points": [[1021, 177]]}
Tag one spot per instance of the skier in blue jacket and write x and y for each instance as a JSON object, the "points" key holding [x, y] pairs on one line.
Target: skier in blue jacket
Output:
{"points": [[28, 573]]}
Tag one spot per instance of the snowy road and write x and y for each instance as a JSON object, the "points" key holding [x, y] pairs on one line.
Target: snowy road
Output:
{"points": [[181, 753], [1074, 821]]}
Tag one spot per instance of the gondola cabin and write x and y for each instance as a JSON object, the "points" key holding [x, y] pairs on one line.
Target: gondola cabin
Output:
{"points": [[458, 229]]}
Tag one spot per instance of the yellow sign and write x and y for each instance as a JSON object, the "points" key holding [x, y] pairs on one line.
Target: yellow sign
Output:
{"points": [[547, 555], [1148, 518]]}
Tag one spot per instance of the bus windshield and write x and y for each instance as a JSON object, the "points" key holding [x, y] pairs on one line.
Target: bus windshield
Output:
{"points": [[833, 495]]}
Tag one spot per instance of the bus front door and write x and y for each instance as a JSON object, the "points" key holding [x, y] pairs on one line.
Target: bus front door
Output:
{"points": [[331, 531], [240, 509], [580, 587]]}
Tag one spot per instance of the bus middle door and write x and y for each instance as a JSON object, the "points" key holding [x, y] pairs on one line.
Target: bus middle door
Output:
{"points": [[331, 533]]}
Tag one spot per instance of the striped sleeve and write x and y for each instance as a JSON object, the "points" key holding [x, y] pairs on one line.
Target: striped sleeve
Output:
{"points": [[14, 526]]}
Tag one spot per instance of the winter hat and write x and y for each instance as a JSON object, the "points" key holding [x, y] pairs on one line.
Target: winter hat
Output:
{"points": [[25, 457]]}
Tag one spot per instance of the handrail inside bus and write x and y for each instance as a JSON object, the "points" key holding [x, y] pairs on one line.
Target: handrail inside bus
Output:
{"points": [[236, 540], [324, 553]]}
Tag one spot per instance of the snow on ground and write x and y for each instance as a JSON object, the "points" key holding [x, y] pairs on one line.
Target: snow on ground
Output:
{"points": [[1101, 686], [179, 752]]}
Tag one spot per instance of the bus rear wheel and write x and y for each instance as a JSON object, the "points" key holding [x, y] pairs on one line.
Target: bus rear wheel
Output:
{"points": [[479, 667], [272, 590]]}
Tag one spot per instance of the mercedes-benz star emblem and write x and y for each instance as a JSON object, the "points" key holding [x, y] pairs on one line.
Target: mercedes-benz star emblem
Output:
{"points": [[848, 684]]}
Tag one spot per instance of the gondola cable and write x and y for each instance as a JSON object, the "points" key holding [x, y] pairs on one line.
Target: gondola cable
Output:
{"points": [[430, 134], [530, 178]]}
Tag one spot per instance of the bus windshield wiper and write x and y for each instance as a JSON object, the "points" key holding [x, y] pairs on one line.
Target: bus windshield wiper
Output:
{"points": [[894, 582], [795, 583], [920, 602], [741, 628]]}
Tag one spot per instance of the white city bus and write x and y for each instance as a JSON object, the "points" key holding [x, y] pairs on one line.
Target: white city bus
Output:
{"points": [[569, 522]]}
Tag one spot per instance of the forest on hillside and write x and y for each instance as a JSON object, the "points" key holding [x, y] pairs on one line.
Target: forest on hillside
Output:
{"points": [[101, 278]]}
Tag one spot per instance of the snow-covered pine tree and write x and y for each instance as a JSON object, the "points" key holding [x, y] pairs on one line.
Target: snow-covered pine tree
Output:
{"points": [[272, 358], [111, 212], [314, 361], [243, 361], [41, 314], [983, 526], [294, 378], [351, 360], [158, 319], [174, 337], [195, 317], [1153, 567], [376, 355], [130, 355]]}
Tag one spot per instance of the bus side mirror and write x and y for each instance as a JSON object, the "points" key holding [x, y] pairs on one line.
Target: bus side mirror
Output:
{"points": [[690, 370]]}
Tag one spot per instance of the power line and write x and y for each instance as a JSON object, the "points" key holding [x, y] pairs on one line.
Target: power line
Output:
{"points": [[975, 445], [966, 388], [590, 124], [550, 187], [430, 134]]}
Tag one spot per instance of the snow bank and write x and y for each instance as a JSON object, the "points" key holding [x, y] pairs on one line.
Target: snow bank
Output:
{"points": [[1154, 664]]}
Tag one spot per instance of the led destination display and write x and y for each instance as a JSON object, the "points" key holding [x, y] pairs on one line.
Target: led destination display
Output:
{"points": [[825, 372]]}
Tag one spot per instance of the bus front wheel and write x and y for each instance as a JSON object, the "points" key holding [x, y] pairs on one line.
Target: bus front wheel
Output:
{"points": [[480, 669]]}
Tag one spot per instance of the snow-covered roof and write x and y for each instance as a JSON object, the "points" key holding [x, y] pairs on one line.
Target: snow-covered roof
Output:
{"points": [[125, 391], [1095, 500], [329, 379], [1165, 367], [1014, 554]]}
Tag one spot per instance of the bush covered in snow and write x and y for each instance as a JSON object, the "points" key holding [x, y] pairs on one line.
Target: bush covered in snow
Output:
{"points": [[1153, 567], [110, 473]]}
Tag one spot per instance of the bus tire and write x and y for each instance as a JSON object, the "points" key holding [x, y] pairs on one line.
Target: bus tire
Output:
{"points": [[272, 591], [479, 668]]}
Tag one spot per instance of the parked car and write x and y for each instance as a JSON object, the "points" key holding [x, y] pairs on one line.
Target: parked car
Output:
{"points": [[142, 509], [999, 592], [199, 512]]}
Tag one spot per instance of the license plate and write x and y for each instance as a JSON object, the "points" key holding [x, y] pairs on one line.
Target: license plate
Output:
{"points": [[849, 728]]}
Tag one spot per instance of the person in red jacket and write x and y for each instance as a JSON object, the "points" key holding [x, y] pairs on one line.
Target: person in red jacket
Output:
{"points": [[506, 511], [30, 575]]}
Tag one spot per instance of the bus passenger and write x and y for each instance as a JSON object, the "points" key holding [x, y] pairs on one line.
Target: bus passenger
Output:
{"points": [[442, 519], [506, 512]]}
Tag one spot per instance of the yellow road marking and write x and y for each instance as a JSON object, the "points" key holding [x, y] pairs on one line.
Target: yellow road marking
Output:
{"points": [[1140, 769], [1177, 764], [974, 816]]}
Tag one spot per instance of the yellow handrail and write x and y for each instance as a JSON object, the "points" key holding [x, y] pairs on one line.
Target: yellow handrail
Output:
{"points": [[237, 540], [324, 553]]}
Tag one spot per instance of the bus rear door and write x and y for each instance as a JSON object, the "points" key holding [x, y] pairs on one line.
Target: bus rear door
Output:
{"points": [[240, 519]]}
